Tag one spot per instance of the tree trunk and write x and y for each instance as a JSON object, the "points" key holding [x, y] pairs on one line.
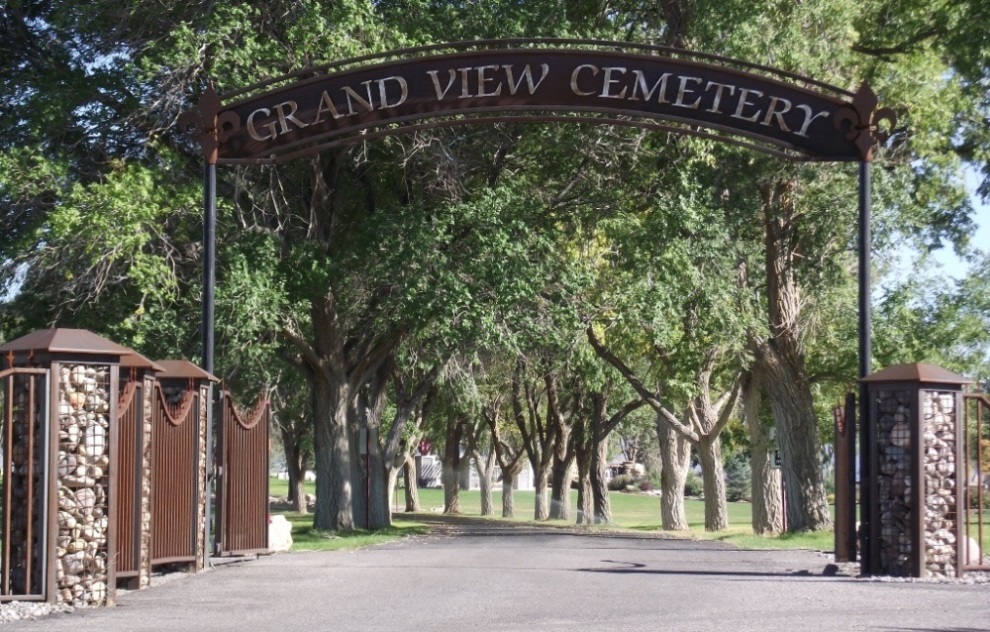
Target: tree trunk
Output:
{"points": [[781, 360], [359, 482], [296, 468], [376, 471], [541, 479], [411, 483], [560, 482], [797, 437], [392, 476], [486, 471], [768, 514], [710, 455], [451, 467], [599, 486], [586, 506], [676, 454], [334, 501], [562, 447], [508, 498]]}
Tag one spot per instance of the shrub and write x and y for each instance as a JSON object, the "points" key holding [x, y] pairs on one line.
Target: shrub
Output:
{"points": [[620, 482], [975, 497], [737, 478], [693, 485], [645, 485]]}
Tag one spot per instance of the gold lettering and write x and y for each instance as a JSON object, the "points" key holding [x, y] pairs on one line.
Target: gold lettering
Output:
{"points": [[527, 75], [484, 80], [772, 112], [253, 132], [679, 101], [574, 80], [808, 119], [743, 102], [465, 88], [354, 96], [640, 84], [284, 119], [719, 88], [607, 82], [326, 105], [383, 95], [451, 74]]}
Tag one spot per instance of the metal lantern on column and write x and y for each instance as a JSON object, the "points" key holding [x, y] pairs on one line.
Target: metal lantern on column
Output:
{"points": [[915, 436]]}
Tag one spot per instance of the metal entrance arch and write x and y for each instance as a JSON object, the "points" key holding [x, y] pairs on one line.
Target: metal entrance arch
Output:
{"points": [[464, 83]]}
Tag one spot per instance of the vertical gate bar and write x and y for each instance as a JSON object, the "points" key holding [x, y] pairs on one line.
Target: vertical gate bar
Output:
{"points": [[223, 480], [157, 439], [873, 511], [918, 490], [979, 474], [865, 361], [207, 540], [962, 544], [195, 479], [51, 515], [849, 441], [209, 260], [111, 503], [29, 510], [267, 419], [7, 451]]}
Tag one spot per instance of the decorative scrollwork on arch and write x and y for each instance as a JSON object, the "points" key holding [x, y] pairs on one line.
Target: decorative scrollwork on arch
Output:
{"points": [[862, 120], [203, 120]]}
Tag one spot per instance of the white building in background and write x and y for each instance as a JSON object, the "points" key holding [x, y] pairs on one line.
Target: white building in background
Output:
{"points": [[429, 470]]}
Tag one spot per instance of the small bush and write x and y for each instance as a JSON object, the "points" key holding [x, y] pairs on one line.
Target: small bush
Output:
{"points": [[975, 497], [737, 478], [693, 485], [645, 485], [620, 482]]}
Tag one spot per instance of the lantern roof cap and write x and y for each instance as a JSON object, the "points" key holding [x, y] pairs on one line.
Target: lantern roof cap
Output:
{"points": [[135, 360], [917, 372], [183, 369], [63, 340]]}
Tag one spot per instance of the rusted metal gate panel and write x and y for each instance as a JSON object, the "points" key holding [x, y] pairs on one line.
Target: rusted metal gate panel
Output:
{"points": [[242, 514], [128, 488], [845, 479], [26, 407], [174, 472], [976, 481]]}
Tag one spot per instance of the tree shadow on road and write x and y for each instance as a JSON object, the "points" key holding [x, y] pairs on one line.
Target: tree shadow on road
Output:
{"points": [[636, 568]]}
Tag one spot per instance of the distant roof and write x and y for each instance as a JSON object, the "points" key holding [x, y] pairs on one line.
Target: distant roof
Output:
{"points": [[917, 372], [135, 360], [61, 340], [183, 369]]}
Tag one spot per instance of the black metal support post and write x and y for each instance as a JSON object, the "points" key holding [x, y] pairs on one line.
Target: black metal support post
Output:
{"points": [[209, 278], [865, 361], [209, 261]]}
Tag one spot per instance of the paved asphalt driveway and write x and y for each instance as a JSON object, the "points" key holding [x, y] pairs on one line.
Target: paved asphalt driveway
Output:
{"points": [[524, 579]]}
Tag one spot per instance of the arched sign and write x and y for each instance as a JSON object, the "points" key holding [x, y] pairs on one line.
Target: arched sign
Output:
{"points": [[539, 80], [615, 83]]}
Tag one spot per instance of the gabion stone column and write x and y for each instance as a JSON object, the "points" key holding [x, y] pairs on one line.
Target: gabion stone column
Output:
{"points": [[915, 428], [80, 550]]}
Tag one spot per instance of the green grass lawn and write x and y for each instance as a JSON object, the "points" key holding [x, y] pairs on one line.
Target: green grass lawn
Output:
{"points": [[637, 512], [631, 511]]}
